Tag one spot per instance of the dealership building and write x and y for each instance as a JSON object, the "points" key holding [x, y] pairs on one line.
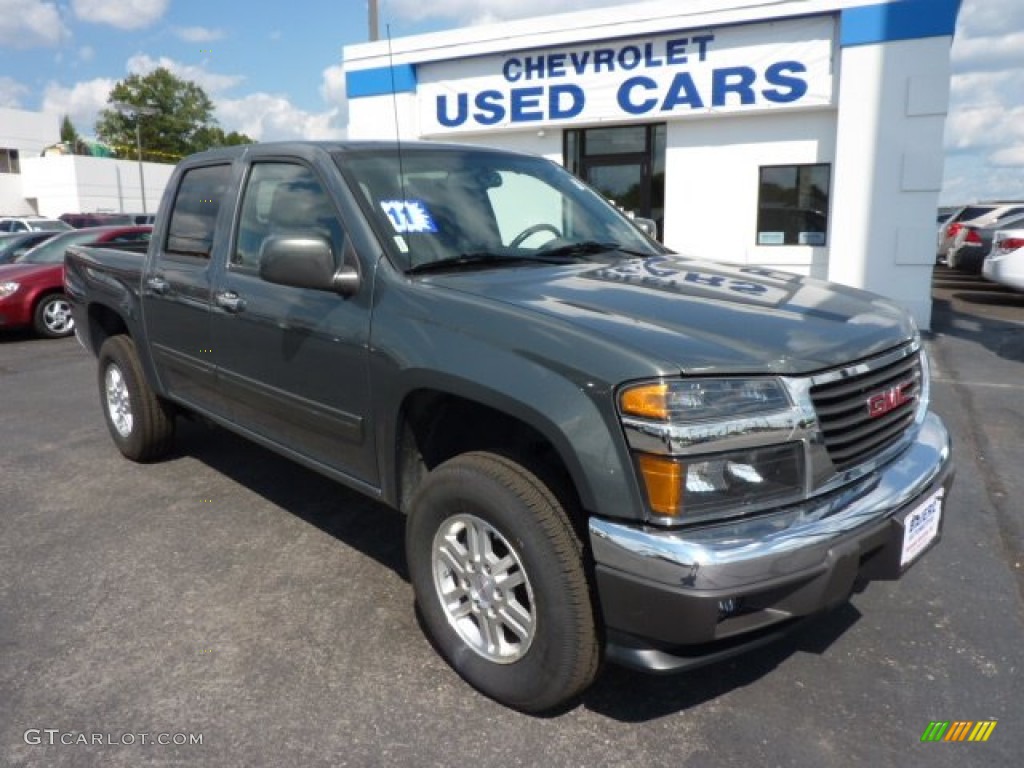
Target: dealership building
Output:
{"points": [[800, 135]]}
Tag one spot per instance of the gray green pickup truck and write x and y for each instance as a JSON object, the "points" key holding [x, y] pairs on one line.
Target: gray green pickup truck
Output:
{"points": [[604, 451]]}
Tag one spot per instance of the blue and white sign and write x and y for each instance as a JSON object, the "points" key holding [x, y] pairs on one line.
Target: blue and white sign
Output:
{"points": [[408, 216], [767, 66]]}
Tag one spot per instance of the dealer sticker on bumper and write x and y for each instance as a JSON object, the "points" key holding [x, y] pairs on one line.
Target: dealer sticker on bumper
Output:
{"points": [[921, 526]]}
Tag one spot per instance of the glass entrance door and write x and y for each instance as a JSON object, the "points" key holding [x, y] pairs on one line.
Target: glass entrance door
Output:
{"points": [[620, 180], [626, 164]]}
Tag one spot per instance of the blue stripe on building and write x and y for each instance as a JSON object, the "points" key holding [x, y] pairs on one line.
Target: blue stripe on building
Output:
{"points": [[903, 20], [379, 81]]}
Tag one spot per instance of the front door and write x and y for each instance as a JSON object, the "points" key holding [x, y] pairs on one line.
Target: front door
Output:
{"points": [[293, 362]]}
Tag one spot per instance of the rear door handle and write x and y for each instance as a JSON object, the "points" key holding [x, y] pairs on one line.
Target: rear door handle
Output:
{"points": [[229, 301], [158, 285]]}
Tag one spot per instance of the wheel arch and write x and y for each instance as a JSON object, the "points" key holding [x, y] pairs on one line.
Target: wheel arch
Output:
{"points": [[437, 422]]}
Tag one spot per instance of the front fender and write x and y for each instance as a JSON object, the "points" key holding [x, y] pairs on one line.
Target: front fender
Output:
{"points": [[576, 416]]}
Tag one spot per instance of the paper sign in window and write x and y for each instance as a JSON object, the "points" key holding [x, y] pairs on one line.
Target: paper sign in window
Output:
{"points": [[408, 216]]}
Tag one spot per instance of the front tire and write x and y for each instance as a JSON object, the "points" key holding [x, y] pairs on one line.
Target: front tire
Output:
{"points": [[52, 317], [140, 423], [498, 575]]}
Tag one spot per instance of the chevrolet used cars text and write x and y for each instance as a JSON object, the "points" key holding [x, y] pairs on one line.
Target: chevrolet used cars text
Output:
{"points": [[604, 450]]}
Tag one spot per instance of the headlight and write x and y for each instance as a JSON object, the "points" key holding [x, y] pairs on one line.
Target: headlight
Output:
{"points": [[8, 289], [713, 448], [704, 399]]}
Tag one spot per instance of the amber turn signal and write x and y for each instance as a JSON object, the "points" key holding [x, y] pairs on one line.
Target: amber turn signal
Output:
{"points": [[663, 479], [648, 401]]}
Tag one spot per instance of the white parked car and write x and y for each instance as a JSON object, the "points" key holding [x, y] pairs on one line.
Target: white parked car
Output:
{"points": [[30, 223], [1005, 262]]}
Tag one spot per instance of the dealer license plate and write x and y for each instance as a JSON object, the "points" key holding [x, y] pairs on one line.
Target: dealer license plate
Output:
{"points": [[921, 526]]}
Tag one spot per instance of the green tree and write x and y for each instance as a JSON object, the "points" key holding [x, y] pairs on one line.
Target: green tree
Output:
{"points": [[182, 121], [70, 136], [67, 131]]}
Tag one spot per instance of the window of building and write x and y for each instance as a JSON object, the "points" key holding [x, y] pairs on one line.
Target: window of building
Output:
{"points": [[196, 206], [9, 162], [793, 204]]}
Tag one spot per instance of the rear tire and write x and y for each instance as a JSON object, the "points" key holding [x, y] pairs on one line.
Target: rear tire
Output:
{"points": [[498, 575], [140, 423], [52, 317]]}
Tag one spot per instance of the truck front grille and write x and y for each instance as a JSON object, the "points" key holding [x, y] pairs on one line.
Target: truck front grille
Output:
{"points": [[863, 414]]}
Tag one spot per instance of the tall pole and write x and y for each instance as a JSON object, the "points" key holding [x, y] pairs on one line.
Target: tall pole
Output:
{"points": [[374, 29], [139, 111], [138, 148]]}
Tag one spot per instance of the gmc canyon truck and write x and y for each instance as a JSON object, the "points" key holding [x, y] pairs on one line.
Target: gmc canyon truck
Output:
{"points": [[604, 451]]}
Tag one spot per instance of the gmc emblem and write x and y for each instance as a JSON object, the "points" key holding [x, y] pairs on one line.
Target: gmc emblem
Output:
{"points": [[883, 402]]}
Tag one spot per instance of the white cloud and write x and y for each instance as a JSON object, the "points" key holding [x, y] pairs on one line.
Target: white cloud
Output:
{"points": [[82, 102], [985, 123], [486, 11], [989, 53], [267, 117], [11, 92], [211, 82], [198, 34], [30, 24], [270, 117], [332, 89], [123, 14], [983, 18]]}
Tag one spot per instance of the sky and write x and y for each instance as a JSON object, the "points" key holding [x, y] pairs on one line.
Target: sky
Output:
{"points": [[274, 70]]}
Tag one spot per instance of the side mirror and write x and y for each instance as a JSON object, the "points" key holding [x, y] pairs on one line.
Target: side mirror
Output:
{"points": [[648, 226], [305, 261]]}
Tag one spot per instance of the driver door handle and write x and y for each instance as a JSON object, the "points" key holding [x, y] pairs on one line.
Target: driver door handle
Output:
{"points": [[158, 285], [229, 301]]}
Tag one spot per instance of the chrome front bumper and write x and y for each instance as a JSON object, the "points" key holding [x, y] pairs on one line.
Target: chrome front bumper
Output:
{"points": [[701, 585]]}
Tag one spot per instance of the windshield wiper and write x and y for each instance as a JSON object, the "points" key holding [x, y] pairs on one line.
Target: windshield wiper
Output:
{"points": [[588, 247], [486, 259]]}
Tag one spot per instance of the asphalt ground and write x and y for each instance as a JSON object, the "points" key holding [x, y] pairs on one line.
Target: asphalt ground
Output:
{"points": [[229, 595]]}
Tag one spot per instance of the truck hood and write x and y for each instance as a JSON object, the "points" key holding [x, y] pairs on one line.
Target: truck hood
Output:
{"points": [[702, 317]]}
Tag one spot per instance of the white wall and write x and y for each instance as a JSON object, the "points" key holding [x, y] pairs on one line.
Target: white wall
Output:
{"points": [[893, 100], [28, 132], [712, 179], [77, 184]]}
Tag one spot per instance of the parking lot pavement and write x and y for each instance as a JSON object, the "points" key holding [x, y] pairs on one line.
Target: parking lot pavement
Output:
{"points": [[230, 595]]}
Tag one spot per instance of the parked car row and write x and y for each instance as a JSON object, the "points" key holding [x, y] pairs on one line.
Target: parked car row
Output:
{"points": [[985, 239], [30, 224], [965, 237], [73, 221], [32, 284]]}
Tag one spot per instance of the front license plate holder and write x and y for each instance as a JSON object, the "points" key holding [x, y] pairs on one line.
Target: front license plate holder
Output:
{"points": [[921, 528]]}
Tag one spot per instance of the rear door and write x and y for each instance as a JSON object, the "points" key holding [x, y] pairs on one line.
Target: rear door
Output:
{"points": [[293, 362], [177, 291]]}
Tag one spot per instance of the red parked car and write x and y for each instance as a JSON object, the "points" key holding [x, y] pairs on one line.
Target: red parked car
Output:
{"points": [[32, 287]]}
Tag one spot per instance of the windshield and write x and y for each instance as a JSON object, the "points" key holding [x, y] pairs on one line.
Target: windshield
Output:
{"points": [[455, 205]]}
